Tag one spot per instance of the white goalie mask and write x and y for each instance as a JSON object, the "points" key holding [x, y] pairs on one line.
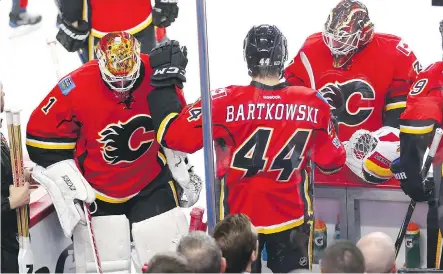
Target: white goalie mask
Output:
{"points": [[369, 154]]}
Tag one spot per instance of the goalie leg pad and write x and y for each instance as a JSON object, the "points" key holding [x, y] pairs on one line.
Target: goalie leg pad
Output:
{"points": [[65, 184], [159, 234], [113, 243]]}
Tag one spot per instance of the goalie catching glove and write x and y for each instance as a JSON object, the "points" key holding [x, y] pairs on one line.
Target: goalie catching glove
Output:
{"points": [[66, 186], [183, 173], [369, 154]]}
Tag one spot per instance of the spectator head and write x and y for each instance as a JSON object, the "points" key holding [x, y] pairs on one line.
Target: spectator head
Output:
{"points": [[168, 263], [202, 253], [379, 252], [238, 240], [342, 256]]}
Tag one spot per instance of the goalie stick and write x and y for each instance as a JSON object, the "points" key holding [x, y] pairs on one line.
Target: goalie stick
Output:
{"points": [[424, 172]]}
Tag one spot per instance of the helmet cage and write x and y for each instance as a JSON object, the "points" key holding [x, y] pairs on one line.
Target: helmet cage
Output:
{"points": [[347, 29], [119, 67]]}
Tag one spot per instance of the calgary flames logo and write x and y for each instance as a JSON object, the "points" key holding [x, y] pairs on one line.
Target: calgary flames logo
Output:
{"points": [[352, 102], [125, 142]]}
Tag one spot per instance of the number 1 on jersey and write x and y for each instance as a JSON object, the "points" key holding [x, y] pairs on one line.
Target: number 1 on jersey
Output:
{"points": [[49, 105], [251, 155]]}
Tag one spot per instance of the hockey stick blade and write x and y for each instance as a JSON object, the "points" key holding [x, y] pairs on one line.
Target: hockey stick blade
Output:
{"points": [[308, 67], [424, 172]]}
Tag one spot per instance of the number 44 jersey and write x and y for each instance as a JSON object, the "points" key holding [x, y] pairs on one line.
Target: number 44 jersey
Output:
{"points": [[264, 137]]}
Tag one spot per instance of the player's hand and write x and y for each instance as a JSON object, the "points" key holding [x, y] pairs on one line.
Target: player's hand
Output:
{"points": [[419, 191], [19, 196], [168, 62], [164, 12], [73, 36]]}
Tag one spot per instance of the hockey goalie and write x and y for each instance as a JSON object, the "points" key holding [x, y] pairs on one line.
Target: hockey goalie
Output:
{"points": [[93, 141], [365, 76]]}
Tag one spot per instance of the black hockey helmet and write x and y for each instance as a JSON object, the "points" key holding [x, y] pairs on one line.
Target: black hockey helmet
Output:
{"points": [[265, 51]]}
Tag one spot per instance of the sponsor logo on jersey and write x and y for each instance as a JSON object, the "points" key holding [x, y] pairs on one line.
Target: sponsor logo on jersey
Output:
{"points": [[66, 85], [352, 101], [125, 142]]}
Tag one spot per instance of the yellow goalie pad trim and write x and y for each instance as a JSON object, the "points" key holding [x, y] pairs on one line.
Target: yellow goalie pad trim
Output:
{"points": [[377, 170]]}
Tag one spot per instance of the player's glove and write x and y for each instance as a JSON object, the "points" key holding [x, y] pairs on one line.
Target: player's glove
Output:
{"points": [[168, 62], [73, 38], [164, 12], [419, 191]]}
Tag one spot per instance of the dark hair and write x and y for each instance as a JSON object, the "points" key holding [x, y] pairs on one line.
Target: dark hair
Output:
{"points": [[168, 263], [342, 256], [237, 241], [201, 251]]}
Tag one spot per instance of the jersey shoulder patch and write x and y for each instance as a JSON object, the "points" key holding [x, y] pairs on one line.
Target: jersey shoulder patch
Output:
{"points": [[66, 85], [218, 93]]}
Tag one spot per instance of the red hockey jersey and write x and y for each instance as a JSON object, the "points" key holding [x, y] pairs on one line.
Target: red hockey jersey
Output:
{"points": [[424, 106], [263, 137], [116, 15], [367, 94], [112, 142]]}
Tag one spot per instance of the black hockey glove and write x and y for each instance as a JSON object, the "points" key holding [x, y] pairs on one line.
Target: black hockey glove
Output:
{"points": [[164, 12], [73, 38], [168, 62], [416, 189]]}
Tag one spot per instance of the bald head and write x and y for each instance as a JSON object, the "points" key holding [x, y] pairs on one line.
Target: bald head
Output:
{"points": [[379, 252]]}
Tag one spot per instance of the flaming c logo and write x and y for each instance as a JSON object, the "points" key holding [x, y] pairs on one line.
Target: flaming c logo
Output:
{"points": [[351, 101], [125, 142]]}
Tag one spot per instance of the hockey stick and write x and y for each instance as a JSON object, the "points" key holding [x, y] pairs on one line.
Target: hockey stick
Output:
{"points": [[98, 263], [424, 172], [25, 255], [52, 43], [311, 164]]}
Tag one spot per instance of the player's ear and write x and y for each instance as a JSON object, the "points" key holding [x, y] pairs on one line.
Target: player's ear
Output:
{"points": [[222, 265], [254, 254]]}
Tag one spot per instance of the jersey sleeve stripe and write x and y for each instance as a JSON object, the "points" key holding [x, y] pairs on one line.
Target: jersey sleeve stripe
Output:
{"points": [[50, 145], [329, 171], [395, 102], [164, 125], [162, 158], [397, 105], [416, 130]]}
